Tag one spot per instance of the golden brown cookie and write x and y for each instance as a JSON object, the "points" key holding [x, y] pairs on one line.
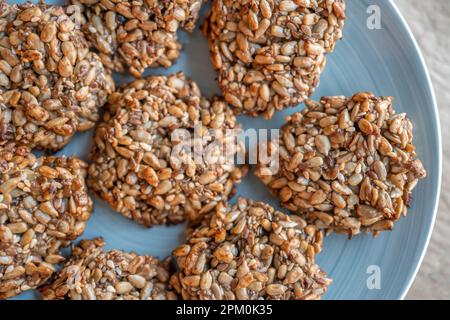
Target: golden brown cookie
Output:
{"points": [[51, 86], [250, 251], [269, 54], [44, 205], [92, 273], [139, 162], [135, 35], [346, 164]]}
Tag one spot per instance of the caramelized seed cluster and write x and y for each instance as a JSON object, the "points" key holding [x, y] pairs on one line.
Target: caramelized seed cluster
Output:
{"points": [[250, 251], [346, 164], [95, 274], [44, 205], [135, 35], [51, 86], [138, 164], [269, 54]]}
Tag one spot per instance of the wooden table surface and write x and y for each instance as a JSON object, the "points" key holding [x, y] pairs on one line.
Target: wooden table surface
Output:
{"points": [[430, 23]]}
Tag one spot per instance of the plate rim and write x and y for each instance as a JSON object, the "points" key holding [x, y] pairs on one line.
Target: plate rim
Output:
{"points": [[430, 88]]}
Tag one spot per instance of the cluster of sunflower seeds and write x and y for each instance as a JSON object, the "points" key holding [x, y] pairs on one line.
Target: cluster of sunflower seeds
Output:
{"points": [[346, 164], [269, 54], [95, 274], [134, 35], [250, 251], [44, 205], [137, 165], [51, 86]]}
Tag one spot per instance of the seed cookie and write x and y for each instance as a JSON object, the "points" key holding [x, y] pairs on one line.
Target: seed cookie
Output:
{"points": [[250, 251], [135, 35], [269, 54], [347, 164], [140, 164], [44, 205], [51, 86], [92, 273]]}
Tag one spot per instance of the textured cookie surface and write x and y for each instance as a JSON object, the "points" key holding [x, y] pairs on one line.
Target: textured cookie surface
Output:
{"points": [[92, 273], [250, 251], [134, 35], [269, 54], [347, 164], [140, 164], [44, 205], [51, 86]]}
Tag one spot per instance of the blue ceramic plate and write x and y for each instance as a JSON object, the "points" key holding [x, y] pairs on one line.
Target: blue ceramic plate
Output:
{"points": [[385, 61]]}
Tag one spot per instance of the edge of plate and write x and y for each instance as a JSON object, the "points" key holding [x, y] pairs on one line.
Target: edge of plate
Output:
{"points": [[425, 71]]}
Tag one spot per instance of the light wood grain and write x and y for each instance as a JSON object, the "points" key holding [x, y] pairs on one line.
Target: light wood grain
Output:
{"points": [[430, 23]]}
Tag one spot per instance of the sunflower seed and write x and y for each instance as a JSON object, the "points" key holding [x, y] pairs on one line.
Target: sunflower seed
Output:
{"points": [[134, 169], [357, 160], [261, 255], [135, 35], [45, 62], [283, 41], [44, 208], [116, 275]]}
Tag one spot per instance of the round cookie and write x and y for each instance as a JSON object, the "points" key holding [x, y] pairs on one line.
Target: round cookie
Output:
{"points": [[139, 163], [44, 205], [269, 54], [95, 274], [346, 164], [250, 251], [135, 35], [51, 86]]}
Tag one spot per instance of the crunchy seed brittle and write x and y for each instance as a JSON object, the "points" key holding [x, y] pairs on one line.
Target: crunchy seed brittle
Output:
{"points": [[269, 54], [250, 251], [95, 274], [51, 86], [134, 35], [347, 164], [43, 206], [136, 166]]}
